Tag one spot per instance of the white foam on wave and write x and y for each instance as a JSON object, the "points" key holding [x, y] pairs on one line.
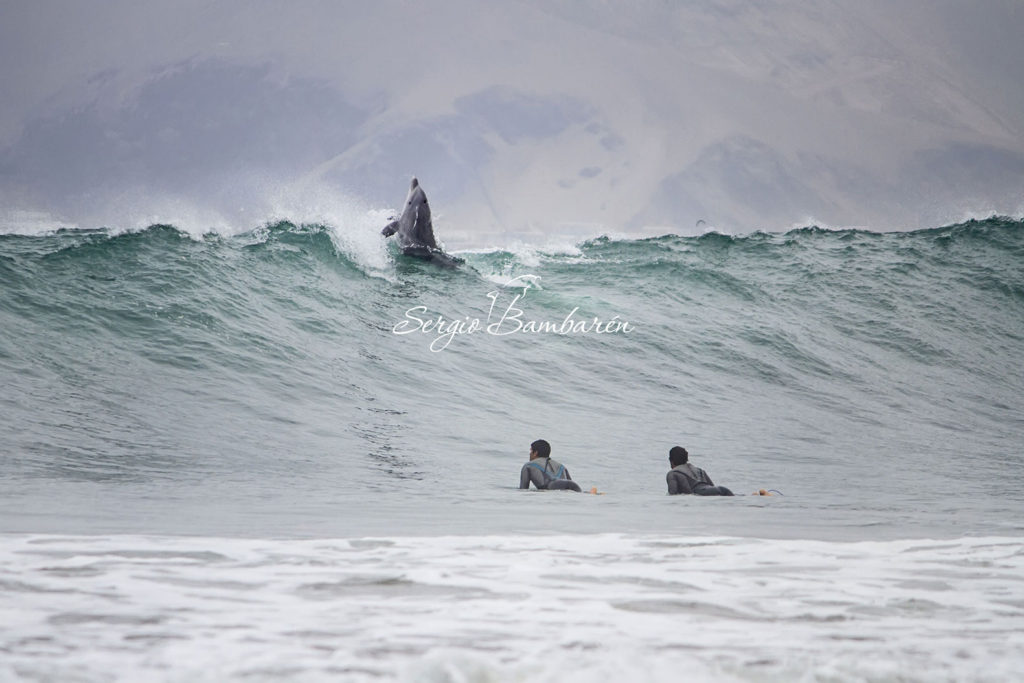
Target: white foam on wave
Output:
{"points": [[812, 222], [191, 219], [956, 217], [968, 215], [605, 607], [522, 259], [23, 222], [130, 211], [355, 227], [528, 251]]}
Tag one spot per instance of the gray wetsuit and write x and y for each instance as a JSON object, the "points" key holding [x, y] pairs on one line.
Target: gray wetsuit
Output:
{"points": [[546, 474], [688, 478]]}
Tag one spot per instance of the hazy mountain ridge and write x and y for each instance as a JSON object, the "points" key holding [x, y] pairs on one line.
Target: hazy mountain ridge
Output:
{"points": [[533, 118]]}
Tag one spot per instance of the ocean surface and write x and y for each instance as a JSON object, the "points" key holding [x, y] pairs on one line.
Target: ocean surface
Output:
{"points": [[293, 454]]}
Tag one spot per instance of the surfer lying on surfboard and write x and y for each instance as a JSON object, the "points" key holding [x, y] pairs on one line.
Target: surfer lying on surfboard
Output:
{"points": [[685, 477], [544, 472]]}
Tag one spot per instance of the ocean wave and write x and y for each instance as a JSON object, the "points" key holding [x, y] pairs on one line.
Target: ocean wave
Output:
{"points": [[268, 361]]}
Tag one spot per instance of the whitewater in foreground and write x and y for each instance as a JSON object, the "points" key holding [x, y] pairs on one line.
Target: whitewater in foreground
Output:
{"points": [[479, 608]]}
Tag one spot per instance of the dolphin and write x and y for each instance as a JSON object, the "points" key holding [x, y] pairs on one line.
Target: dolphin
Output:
{"points": [[415, 231]]}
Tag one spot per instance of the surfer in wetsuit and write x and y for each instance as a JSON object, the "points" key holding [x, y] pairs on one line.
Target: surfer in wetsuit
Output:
{"points": [[687, 478], [544, 472]]}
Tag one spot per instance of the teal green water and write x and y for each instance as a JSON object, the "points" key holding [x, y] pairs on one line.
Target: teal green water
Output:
{"points": [[255, 384]]}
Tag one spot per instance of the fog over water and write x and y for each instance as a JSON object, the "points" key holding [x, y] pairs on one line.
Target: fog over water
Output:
{"points": [[524, 120]]}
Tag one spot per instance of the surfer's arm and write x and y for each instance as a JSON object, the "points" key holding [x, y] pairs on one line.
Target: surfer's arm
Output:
{"points": [[532, 472], [390, 229], [677, 484]]}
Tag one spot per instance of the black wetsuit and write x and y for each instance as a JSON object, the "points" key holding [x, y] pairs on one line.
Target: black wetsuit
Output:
{"points": [[687, 478], [546, 474]]}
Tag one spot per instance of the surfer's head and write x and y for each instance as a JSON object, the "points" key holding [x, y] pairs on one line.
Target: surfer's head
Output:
{"points": [[540, 449], [677, 455]]}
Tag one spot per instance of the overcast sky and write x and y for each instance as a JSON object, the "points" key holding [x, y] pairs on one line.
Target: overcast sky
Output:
{"points": [[523, 120]]}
